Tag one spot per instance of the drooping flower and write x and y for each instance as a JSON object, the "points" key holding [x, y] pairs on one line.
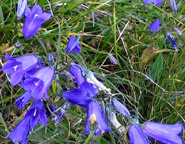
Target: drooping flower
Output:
{"points": [[34, 19], [170, 39], [36, 113], [20, 132], [136, 135], [156, 2], [82, 95], [155, 26], [121, 108], [95, 116], [73, 45], [22, 4], [164, 133], [112, 59], [173, 6], [39, 82], [17, 67]]}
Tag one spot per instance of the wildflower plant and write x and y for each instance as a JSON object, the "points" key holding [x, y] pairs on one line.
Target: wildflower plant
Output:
{"points": [[60, 88]]}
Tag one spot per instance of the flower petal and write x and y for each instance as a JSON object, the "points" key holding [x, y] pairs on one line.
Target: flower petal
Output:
{"points": [[11, 66], [77, 73], [36, 10], [100, 119], [164, 132], [73, 45], [136, 135], [31, 26], [34, 119], [43, 118], [16, 77], [77, 96], [29, 83], [166, 128], [21, 131], [90, 88], [28, 61], [121, 108], [155, 26], [27, 12], [23, 100], [38, 90], [45, 16]]}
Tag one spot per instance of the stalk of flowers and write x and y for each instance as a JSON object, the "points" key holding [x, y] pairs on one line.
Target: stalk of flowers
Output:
{"points": [[36, 82], [84, 97]]}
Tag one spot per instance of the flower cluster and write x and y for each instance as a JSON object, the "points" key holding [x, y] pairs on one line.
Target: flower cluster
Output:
{"points": [[35, 81], [84, 96]]}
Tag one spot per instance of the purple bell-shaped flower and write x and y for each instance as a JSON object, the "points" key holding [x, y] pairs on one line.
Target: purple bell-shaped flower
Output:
{"points": [[38, 83], [37, 113], [156, 2], [81, 95], [34, 19], [136, 135], [165, 133], [95, 116], [17, 67], [20, 132], [155, 26], [121, 108], [73, 45]]}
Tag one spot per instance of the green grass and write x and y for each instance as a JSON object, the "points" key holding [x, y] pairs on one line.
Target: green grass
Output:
{"points": [[154, 89]]}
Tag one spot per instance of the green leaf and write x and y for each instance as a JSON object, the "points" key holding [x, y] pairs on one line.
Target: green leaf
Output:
{"points": [[157, 67], [1, 15]]}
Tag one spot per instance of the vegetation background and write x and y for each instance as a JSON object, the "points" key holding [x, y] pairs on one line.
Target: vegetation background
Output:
{"points": [[149, 78]]}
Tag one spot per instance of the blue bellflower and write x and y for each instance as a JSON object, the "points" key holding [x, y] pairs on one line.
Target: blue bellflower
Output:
{"points": [[36, 113], [95, 115], [170, 39], [73, 45], [34, 19], [121, 108], [17, 67], [20, 132], [164, 133], [22, 4], [136, 135], [37, 84], [156, 2], [155, 26], [173, 6], [82, 95]]}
